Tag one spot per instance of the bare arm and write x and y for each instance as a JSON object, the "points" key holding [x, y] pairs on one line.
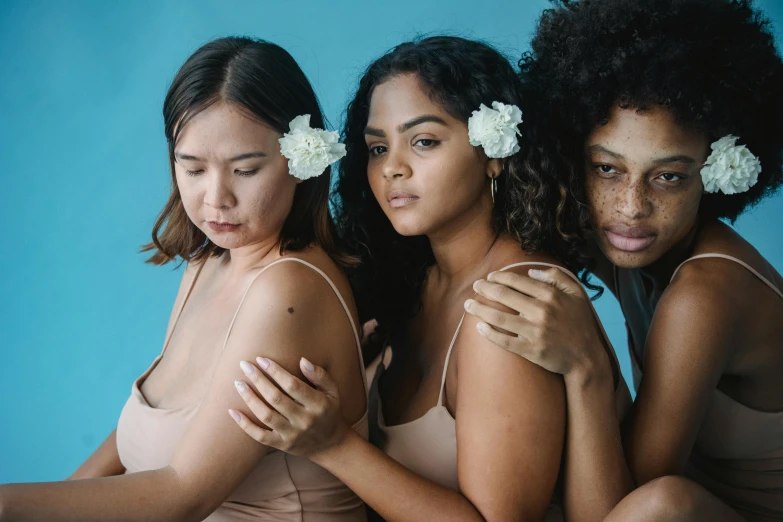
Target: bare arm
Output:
{"points": [[688, 348], [557, 330], [510, 430], [213, 456]]}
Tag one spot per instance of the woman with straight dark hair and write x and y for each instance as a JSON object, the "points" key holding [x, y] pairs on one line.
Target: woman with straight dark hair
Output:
{"points": [[248, 212]]}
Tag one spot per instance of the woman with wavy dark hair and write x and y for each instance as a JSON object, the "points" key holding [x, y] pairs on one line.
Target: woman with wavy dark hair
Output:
{"points": [[435, 191], [664, 117]]}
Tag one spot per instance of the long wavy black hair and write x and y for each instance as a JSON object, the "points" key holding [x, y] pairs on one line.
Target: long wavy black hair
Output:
{"points": [[459, 75], [712, 63]]}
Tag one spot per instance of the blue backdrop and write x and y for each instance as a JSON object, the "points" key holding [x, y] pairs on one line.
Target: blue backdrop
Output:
{"points": [[84, 173]]}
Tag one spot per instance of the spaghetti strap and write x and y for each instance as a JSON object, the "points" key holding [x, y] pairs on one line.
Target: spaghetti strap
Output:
{"points": [[567, 272], [334, 289], [739, 262], [182, 307]]}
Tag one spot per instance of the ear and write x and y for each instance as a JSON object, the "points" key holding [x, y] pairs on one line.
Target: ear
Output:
{"points": [[495, 167]]}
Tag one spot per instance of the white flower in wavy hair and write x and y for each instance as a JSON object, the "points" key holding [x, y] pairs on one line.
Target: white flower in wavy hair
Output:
{"points": [[495, 129], [730, 168], [309, 151]]}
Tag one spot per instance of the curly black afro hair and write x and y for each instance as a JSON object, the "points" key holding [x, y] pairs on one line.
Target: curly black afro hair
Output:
{"points": [[712, 63]]}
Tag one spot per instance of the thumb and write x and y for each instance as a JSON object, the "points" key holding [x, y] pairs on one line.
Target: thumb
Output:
{"points": [[319, 378]]}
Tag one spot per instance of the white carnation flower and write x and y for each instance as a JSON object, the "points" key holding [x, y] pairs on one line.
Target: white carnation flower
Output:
{"points": [[730, 168], [309, 151], [495, 129]]}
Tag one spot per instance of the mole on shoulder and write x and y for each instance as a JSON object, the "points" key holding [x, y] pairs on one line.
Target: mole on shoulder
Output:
{"points": [[291, 310]]}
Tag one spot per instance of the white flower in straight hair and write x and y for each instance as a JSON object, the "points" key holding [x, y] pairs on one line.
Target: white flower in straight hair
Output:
{"points": [[309, 151], [495, 130], [731, 168]]}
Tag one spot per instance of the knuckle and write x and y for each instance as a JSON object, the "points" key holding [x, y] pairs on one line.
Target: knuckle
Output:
{"points": [[498, 318], [294, 386], [275, 398], [267, 418]]}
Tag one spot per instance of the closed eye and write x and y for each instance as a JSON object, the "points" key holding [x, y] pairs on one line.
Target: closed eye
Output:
{"points": [[193, 172], [246, 172]]}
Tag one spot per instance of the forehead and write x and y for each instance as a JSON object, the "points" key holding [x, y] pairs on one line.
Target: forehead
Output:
{"points": [[399, 99], [223, 129], [654, 131]]}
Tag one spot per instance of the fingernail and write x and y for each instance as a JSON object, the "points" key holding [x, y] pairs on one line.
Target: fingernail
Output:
{"points": [[247, 368], [235, 415], [490, 276], [469, 304], [240, 386], [534, 272], [262, 362], [475, 285], [481, 327], [308, 365]]}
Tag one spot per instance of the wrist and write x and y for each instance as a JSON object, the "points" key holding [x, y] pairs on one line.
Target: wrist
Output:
{"points": [[336, 452], [590, 374]]}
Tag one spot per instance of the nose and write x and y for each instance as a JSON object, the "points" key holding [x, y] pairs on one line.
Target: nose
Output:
{"points": [[396, 166], [633, 200], [218, 193]]}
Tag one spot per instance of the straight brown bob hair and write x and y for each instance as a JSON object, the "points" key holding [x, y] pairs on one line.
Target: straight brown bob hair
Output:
{"points": [[264, 81]]}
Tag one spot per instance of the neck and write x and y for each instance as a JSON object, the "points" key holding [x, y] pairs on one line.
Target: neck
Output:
{"points": [[461, 248], [239, 261], [662, 270]]}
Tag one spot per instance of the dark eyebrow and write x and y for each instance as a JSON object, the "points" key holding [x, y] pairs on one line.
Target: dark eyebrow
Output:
{"points": [[407, 125], [247, 155], [680, 158], [418, 121], [180, 156], [598, 148]]}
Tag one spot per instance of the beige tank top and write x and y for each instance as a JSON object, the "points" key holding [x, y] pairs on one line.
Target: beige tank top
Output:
{"points": [[738, 454], [428, 445], [281, 488]]}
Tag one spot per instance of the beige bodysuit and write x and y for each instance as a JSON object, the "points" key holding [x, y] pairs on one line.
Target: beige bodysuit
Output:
{"points": [[738, 454]]}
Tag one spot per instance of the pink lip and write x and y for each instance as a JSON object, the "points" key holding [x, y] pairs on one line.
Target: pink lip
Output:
{"points": [[629, 238], [398, 198], [222, 227]]}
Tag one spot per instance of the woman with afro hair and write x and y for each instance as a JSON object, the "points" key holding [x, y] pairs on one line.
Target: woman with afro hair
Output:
{"points": [[660, 118]]}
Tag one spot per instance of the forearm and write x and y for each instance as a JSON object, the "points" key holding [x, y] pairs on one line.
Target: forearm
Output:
{"points": [[153, 495], [104, 462], [597, 476], [392, 490]]}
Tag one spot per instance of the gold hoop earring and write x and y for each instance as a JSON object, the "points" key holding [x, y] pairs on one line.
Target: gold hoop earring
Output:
{"points": [[493, 189]]}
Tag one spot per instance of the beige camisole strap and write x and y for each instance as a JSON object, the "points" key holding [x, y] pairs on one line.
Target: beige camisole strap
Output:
{"points": [[331, 285], [428, 445], [739, 262]]}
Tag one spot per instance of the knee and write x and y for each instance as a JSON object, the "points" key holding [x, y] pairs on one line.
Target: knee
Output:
{"points": [[668, 499]]}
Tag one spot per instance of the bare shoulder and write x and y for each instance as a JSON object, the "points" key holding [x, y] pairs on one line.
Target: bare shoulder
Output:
{"points": [[718, 238], [290, 311], [701, 313]]}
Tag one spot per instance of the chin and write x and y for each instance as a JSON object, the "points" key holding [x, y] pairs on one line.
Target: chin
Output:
{"points": [[408, 227], [624, 259]]}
